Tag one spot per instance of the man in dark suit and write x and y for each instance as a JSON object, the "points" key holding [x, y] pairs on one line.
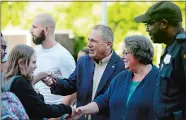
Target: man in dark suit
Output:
{"points": [[93, 73]]}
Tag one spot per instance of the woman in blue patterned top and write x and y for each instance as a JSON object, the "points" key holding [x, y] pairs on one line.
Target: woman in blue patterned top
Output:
{"points": [[131, 93]]}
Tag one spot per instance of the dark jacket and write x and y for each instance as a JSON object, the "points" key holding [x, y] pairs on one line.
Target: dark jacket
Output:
{"points": [[81, 81], [140, 105], [34, 103], [170, 96]]}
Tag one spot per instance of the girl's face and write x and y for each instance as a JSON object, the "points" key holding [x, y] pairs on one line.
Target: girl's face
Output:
{"points": [[31, 66]]}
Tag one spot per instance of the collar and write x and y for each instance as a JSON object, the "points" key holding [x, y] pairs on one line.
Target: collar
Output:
{"points": [[104, 60]]}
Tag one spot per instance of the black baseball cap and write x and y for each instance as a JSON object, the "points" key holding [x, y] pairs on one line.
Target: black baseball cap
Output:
{"points": [[161, 10]]}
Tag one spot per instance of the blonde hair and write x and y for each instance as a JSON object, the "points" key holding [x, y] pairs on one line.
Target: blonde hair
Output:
{"points": [[23, 52]]}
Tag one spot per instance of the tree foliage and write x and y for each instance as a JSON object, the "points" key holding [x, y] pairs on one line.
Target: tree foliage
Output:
{"points": [[11, 13], [80, 17]]}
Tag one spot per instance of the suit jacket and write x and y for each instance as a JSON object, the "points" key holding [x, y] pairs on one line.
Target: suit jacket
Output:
{"points": [[81, 81]]}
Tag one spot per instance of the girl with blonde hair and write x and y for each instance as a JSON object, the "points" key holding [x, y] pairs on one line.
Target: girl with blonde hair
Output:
{"points": [[22, 63]]}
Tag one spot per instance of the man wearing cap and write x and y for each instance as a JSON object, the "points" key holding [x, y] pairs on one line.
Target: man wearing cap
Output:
{"points": [[163, 23]]}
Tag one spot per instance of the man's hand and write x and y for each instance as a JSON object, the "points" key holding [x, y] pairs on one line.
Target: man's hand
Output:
{"points": [[69, 117], [50, 80], [77, 114]]}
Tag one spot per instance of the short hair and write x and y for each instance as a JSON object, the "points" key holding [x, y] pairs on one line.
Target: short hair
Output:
{"points": [[140, 47], [21, 51], [47, 20], [107, 32]]}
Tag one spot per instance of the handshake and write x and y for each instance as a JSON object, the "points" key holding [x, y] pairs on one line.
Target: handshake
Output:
{"points": [[76, 114], [50, 80], [47, 77]]}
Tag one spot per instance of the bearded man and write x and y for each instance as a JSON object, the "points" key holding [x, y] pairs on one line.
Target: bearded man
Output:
{"points": [[51, 57]]}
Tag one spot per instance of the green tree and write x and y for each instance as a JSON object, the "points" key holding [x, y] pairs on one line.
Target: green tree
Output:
{"points": [[121, 19], [80, 17], [11, 13]]}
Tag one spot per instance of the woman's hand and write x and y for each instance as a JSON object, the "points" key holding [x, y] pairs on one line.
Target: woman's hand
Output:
{"points": [[39, 77]]}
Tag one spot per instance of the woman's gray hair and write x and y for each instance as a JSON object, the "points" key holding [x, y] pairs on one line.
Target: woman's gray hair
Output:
{"points": [[140, 47]]}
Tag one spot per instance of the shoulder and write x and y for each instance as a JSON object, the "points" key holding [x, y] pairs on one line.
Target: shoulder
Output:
{"points": [[84, 58], [181, 37], [118, 61], [153, 73], [20, 81], [154, 68], [181, 40], [122, 76], [64, 54], [62, 51], [116, 56], [84, 61]]}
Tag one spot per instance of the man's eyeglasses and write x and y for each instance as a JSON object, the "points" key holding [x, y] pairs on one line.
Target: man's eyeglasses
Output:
{"points": [[126, 53], [3, 47]]}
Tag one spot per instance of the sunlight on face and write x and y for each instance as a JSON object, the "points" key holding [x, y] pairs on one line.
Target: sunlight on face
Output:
{"points": [[128, 58], [96, 45], [32, 65]]}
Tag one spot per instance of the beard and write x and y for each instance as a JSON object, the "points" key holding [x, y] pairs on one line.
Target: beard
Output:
{"points": [[159, 36], [39, 39]]}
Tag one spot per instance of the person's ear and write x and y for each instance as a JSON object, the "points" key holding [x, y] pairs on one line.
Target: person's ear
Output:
{"points": [[108, 45], [47, 29], [21, 64], [164, 24]]}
